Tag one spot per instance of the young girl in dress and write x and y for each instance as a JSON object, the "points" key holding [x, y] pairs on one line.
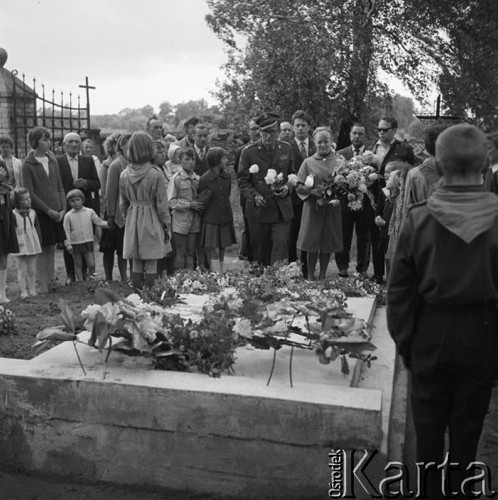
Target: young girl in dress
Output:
{"points": [[186, 224], [78, 226], [8, 240], [217, 229], [28, 238]]}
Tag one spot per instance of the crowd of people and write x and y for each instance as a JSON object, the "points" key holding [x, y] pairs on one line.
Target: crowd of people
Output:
{"points": [[429, 222], [184, 218]]}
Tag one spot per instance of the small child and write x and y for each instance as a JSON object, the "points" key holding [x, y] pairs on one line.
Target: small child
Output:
{"points": [[217, 229], [172, 166], [386, 203], [28, 238], [182, 194], [442, 310], [78, 225]]}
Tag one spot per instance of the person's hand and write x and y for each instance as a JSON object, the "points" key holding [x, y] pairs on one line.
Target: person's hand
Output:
{"points": [[196, 205], [282, 191], [53, 215], [110, 222], [303, 190], [69, 250], [379, 221], [80, 183], [61, 214], [259, 201]]}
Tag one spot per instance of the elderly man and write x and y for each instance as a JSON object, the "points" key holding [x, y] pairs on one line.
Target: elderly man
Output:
{"points": [[286, 132], [78, 172], [268, 207]]}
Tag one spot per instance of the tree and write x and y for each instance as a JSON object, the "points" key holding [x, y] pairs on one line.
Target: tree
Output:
{"points": [[324, 55]]}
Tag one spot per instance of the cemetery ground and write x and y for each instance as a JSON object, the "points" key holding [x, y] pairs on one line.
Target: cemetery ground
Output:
{"points": [[35, 313]]}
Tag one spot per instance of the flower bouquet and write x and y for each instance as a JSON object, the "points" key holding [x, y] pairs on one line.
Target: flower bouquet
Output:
{"points": [[273, 183]]}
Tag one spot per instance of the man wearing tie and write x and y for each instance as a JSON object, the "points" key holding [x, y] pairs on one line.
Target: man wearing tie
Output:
{"points": [[361, 220], [302, 148], [200, 147], [78, 172]]}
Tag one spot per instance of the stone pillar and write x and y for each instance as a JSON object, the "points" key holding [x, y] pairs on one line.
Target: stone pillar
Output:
{"points": [[17, 108]]}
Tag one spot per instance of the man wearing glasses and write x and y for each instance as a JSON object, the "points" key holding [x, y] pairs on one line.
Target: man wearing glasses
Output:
{"points": [[268, 207], [388, 148]]}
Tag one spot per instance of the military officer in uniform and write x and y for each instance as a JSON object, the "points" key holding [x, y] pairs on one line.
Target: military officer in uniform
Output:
{"points": [[268, 207]]}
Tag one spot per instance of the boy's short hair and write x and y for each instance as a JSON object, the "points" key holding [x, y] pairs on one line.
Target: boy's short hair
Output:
{"points": [[6, 139], [75, 193], [188, 152], [16, 195], [140, 148], [391, 120], [37, 133], [214, 156], [462, 150]]}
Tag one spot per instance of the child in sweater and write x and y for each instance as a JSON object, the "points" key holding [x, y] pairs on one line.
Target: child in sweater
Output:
{"points": [[186, 225], [217, 229], [28, 238], [78, 225]]}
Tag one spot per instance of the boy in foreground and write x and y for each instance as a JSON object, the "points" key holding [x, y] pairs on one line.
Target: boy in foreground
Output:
{"points": [[442, 299]]}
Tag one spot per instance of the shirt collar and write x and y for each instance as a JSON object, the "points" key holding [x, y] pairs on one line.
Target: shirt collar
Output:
{"points": [[70, 159]]}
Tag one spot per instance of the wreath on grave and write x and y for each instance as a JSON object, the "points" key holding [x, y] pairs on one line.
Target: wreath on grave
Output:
{"points": [[268, 308]]}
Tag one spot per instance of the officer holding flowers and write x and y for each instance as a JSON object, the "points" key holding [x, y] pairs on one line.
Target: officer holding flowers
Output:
{"points": [[264, 182]]}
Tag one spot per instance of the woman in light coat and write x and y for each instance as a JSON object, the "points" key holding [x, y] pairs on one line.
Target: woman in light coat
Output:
{"points": [[144, 204]]}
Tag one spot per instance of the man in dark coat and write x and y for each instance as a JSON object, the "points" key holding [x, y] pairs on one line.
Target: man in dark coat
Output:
{"points": [[388, 148], [268, 207], [78, 172], [302, 147], [359, 220]]}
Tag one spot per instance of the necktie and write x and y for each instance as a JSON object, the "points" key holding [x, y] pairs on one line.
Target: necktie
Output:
{"points": [[73, 163], [201, 154], [302, 148], [357, 152]]}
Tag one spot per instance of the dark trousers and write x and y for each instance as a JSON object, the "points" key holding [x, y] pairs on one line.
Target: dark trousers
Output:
{"points": [[294, 234], [378, 253], [245, 238], [453, 365], [359, 219], [270, 242]]}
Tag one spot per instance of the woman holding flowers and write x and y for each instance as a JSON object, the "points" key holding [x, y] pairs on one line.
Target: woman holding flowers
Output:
{"points": [[320, 233]]}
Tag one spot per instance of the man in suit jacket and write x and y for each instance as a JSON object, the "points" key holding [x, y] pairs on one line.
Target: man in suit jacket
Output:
{"points": [[388, 148], [200, 148], [268, 211], [189, 126], [359, 220], [302, 147], [78, 172]]}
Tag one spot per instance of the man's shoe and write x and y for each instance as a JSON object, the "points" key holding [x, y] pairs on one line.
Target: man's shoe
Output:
{"points": [[363, 275], [343, 273], [243, 257]]}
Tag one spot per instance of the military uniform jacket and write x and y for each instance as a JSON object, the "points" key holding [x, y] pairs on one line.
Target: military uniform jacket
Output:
{"points": [[282, 160]]}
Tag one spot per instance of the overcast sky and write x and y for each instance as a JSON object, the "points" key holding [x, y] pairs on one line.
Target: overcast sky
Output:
{"points": [[135, 52]]}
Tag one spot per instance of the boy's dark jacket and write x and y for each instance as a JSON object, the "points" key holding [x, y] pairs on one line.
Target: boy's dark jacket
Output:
{"points": [[435, 265]]}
